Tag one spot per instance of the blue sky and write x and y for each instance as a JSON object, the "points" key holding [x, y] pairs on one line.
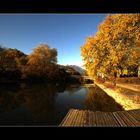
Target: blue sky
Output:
{"points": [[66, 32]]}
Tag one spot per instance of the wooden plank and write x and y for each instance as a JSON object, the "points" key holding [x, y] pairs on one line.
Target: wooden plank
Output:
{"points": [[81, 118], [132, 118], [119, 119], [136, 111], [73, 118], [76, 121], [83, 121], [99, 118], [110, 119], [92, 121], [69, 120], [78, 118], [127, 118], [89, 118], [123, 118], [135, 115], [105, 119], [85, 118], [66, 118]]}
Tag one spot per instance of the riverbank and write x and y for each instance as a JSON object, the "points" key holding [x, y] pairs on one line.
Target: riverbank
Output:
{"points": [[128, 98], [63, 80]]}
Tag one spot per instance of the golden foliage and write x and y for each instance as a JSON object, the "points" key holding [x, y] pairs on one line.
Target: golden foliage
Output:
{"points": [[42, 61], [115, 45]]}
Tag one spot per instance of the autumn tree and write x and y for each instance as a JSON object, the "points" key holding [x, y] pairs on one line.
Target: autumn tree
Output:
{"points": [[114, 47], [9, 59], [42, 62]]}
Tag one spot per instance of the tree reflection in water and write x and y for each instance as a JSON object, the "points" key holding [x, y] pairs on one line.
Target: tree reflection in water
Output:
{"points": [[40, 100], [98, 100], [36, 99], [39, 104], [9, 97]]}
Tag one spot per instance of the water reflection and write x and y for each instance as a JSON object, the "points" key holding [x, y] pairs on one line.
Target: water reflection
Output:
{"points": [[41, 102], [47, 104], [37, 100], [9, 100], [98, 100]]}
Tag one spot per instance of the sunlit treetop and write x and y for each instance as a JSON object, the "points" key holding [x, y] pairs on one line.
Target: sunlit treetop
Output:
{"points": [[114, 46]]}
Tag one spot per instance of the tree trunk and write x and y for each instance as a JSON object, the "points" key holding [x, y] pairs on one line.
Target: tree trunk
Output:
{"points": [[139, 71]]}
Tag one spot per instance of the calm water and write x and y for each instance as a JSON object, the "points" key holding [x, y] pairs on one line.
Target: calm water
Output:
{"points": [[47, 104]]}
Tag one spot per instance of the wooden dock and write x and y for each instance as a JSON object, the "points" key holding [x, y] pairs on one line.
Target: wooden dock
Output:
{"points": [[88, 118]]}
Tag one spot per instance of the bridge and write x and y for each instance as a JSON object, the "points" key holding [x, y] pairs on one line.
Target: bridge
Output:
{"points": [[87, 79]]}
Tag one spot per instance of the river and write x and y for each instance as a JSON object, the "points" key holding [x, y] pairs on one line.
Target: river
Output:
{"points": [[47, 104]]}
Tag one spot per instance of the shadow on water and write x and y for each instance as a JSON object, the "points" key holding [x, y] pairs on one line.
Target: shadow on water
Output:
{"points": [[47, 104], [98, 100]]}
